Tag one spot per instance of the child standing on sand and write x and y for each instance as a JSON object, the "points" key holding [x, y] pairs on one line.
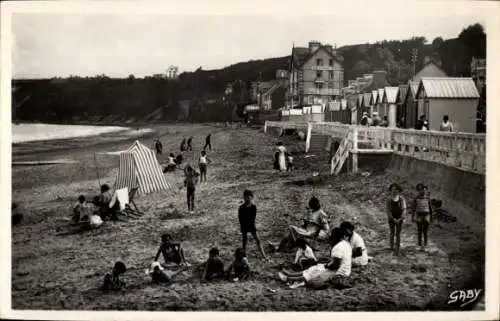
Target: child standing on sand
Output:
{"points": [[190, 185], [203, 162], [422, 213], [396, 211], [247, 213]]}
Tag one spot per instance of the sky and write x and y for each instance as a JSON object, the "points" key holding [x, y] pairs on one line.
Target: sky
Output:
{"points": [[145, 40]]}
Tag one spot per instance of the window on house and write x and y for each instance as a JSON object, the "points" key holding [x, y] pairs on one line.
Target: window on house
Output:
{"points": [[319, 86], [330, 62], [319, 73], [330, 85], [319, 62], [330, 75]]}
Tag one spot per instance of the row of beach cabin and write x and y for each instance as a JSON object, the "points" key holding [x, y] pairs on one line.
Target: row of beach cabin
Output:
{"points": [[432, 97]]}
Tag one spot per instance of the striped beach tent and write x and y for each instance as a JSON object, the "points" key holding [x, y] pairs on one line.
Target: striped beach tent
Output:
{"points": [[139, 168]]}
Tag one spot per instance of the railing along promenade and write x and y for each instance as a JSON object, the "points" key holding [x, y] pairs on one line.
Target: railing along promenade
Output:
{"points": [[462, 150]]}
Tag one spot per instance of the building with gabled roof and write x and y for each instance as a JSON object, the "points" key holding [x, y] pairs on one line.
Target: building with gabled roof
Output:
{"points": [[456, 97], [316, 74]]}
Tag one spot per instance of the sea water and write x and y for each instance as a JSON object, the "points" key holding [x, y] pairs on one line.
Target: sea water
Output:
{"points": [[36, 132]]}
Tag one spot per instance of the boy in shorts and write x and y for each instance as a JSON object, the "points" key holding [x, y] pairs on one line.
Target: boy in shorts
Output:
{"points": [[247, 213]]}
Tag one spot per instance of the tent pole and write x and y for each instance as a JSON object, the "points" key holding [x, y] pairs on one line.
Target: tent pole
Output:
{"points": [[97, 170]]}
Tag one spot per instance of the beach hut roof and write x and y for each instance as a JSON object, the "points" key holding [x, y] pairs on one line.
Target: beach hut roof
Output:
{"points": [[390, 95], [447, 87]]}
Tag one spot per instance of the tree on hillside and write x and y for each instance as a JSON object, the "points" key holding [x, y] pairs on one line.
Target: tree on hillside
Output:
{"points": [[474, 38]]}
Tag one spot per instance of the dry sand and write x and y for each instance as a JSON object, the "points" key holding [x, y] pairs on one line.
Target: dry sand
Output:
{"points": [[64, 272]]}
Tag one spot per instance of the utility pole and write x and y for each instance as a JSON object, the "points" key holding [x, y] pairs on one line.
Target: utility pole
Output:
{"points": [[414, 55]]}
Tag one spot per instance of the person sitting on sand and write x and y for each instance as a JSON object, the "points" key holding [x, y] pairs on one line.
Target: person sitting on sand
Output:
{"points": [[179, 159], [112, 280], [214, 268], [239, 269], [103, 203], [304, 257], [359, 252], [172, 252], [161, 275], [171, 165], [335, 272], [315, 227], [189, 142], [16, 216], [81, 210]]}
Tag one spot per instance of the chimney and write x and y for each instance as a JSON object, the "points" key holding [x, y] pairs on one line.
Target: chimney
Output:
{"points": [[313, 46], [379, 79]]}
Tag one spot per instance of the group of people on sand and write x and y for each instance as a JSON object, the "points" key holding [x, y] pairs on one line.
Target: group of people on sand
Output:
{"points": [[348, 248], [186, 145], [309, 268], [92, 214]]}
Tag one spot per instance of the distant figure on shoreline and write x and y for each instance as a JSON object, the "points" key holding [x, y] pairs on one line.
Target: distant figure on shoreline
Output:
{"points": [[183, 144], [189, 146], [208, 142], [158, 147]]}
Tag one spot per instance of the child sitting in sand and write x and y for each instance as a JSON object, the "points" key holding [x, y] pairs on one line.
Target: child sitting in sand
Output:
{"points": [[239, 269], [305, 256], [172, 252], [112, 280], [336, 272], [359, 252], [81, 211], [160, 275], [214, 268]]}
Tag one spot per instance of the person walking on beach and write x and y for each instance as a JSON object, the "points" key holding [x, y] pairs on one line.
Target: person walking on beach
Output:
{"points": [[158, 147], [247, 213], [189, 146], [396, 211], [208, 142]]}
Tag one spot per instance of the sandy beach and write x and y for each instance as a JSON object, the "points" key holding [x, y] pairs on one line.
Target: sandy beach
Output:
{"points": [[64, 272]]}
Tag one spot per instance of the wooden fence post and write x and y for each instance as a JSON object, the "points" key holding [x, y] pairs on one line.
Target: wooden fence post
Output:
{"points": [[308, 137], [354, 135]]}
